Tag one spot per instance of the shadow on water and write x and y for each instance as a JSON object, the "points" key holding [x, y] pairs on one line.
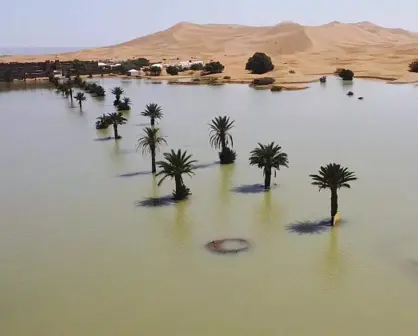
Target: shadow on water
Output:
{"points": [[256, 188], [132, 174], [104, 139], [156, 202], [310, 227], [206, 165]]}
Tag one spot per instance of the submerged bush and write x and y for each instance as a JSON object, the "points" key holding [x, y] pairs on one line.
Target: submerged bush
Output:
{"points": [[276, 88], [263, 81], [413, 66], [214, 67], [259, 63], [227, 156], [172, 70], [182, 193], [345, 74]]}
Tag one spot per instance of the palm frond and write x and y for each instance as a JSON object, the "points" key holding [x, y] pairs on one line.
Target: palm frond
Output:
{"points": [[150, 141], [333, 176]]}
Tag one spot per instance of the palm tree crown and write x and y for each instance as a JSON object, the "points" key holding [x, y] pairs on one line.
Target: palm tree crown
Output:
{"points": [[117, 91], [219, 132], [80, 96], [268, 157], [333, 176], [153, 111], [116, 118], [150, 141], [176, 164]]}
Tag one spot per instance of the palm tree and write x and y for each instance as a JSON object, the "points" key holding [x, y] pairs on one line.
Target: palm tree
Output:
{"points": [[125, 104], [149, 143], [80, 97], [102, 122], [333, 177], [269, 157], [117, 91], [220, 138], [69, 86], [174, 166], [116, 119], [153, 111]]}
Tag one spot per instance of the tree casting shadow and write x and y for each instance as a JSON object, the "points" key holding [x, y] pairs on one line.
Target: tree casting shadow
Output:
{"points": [[256, 188], [311, 227], [156, 202], [135, 174]]}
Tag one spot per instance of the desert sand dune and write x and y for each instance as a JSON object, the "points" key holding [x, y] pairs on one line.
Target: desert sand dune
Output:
{"points": [[368, 49]]}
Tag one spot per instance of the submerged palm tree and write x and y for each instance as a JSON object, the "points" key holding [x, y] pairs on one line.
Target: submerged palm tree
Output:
{"points": [[116, 119], [220, 138], [117, 91], [102, 122], [269, 158], [69, 86], [149, 143], [125, 104], [175, 165], [333, 177], [80, 97], [99, 91], [153, 111]]}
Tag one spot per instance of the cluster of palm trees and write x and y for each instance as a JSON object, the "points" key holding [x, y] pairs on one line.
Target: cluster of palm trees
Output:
{"points": [[66, 88], [269, 158], [125, 103]]}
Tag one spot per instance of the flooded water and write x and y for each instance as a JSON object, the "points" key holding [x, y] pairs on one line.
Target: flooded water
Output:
{"points": [[79, 255]]}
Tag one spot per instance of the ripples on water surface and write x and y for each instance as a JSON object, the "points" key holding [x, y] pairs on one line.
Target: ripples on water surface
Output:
{"points": [[78, 257]]}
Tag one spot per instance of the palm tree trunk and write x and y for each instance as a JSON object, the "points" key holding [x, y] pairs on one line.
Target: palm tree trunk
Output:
{"points": [[334, 205], [71, 96], [267, 179], [152, 122], [223, 143], [154, 168], [115, 130], [179, 183], [79, 103]]}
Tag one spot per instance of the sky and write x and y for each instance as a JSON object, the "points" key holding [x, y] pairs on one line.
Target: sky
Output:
{"points": [[94, 23]]}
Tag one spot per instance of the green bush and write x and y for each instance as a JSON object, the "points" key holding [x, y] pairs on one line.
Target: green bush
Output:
{"points": [[196, 67], [413, 66], [263, 81], [259, 63], [345, 74], [213, 67], [172, 70], [276, 89], [155, 70]]}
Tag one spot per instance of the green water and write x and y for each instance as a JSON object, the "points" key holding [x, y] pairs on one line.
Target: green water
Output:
{"points": [[78, 257]]}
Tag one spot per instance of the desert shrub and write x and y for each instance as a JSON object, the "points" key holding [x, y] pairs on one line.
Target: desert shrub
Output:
{"points": [[227, 77], [259, 63], [196, 79], [196, 67], [214, 67], [413, 66], [345, 74], [155, 70], [172, 70], [263, 81], [323, 79], [292, 71]]}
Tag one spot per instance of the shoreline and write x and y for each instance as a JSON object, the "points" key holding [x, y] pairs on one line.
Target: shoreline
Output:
{"points": [[218, 79]]}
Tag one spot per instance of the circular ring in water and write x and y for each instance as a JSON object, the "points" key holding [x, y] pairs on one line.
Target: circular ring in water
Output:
{"points": [[219, 245]]}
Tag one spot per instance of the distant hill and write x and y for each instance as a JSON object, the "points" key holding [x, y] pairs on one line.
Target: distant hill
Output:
{"points": [[18, 51], [368, 49]]}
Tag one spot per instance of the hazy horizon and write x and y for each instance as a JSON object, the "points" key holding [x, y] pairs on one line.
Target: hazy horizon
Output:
{"points": [[131, 24]]}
